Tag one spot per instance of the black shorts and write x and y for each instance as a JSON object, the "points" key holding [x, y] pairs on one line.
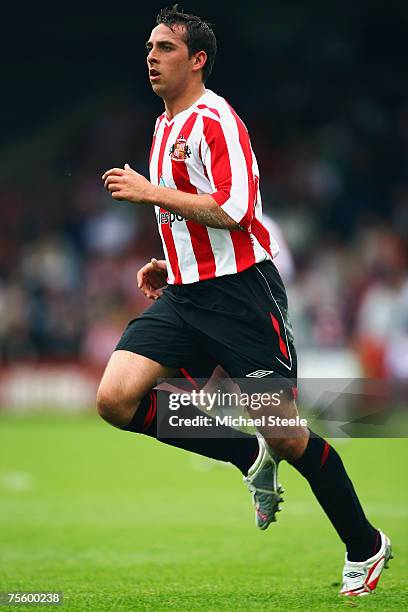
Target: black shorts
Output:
{"points": [[239, 321]]}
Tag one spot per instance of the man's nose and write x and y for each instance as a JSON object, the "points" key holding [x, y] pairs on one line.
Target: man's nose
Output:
{"points": [[151, 57]]}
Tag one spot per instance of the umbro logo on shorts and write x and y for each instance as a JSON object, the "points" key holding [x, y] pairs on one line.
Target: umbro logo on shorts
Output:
{"points": [[353, 574], [259, 373]]}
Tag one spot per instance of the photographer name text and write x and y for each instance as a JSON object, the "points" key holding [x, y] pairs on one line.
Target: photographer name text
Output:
{"points": [[236, 421]]}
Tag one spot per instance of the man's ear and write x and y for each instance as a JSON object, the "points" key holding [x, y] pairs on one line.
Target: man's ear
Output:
{"points": [[199, 60]]}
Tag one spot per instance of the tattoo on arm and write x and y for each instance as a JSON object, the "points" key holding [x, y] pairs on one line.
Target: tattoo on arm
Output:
{"points": [[201, 208], [214, 217]]}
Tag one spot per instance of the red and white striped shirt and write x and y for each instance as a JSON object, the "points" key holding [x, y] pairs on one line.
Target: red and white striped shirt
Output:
{"points": [[206, 149]]}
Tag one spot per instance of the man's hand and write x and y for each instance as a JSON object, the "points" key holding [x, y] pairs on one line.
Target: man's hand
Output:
{"points": [[152, 277], [127, 184]]}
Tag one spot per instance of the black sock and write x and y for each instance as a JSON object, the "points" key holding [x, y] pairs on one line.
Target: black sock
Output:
{"points": [[324, 470], [232, 446]]}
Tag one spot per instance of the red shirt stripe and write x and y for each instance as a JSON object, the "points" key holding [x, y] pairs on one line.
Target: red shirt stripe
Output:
{"points": [[220, 161], [213, 110], [247, 151], [222, 175], [154, 136], [166, 231], [200, 240], [243, 248], [262, 235]]}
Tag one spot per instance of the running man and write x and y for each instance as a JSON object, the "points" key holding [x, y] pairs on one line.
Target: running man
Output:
{"points": [[224, 302]]}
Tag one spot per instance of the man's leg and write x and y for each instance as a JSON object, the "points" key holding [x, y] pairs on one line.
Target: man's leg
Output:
{"points": [[127, 399], [368, 549], [267, 353], [323, 468]]}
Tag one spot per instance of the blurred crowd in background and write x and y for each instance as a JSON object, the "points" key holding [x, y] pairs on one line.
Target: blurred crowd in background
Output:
{"points": [[334, 176]]}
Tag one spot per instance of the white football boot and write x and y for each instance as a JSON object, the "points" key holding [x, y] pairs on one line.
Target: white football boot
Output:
{"points": [[361, 577], [262, 481]]}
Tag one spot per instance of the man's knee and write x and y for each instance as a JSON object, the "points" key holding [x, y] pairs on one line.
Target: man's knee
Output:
{"points": [[127, 379], [290, 449], [114, 406]]}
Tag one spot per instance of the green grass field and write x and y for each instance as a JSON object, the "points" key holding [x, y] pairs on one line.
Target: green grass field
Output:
{"points": [[120, 522]]}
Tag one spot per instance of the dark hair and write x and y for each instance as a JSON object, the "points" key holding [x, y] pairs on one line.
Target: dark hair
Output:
{"points": [[199, 35]]}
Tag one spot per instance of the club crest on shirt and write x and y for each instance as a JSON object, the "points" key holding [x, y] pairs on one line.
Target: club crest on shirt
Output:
{"points": [[180, 151]]}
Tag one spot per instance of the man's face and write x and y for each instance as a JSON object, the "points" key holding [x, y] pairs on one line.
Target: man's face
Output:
{"points": [[170, 68]]}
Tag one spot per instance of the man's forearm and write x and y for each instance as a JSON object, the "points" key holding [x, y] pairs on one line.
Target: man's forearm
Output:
{"points": [[201, 208]]}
